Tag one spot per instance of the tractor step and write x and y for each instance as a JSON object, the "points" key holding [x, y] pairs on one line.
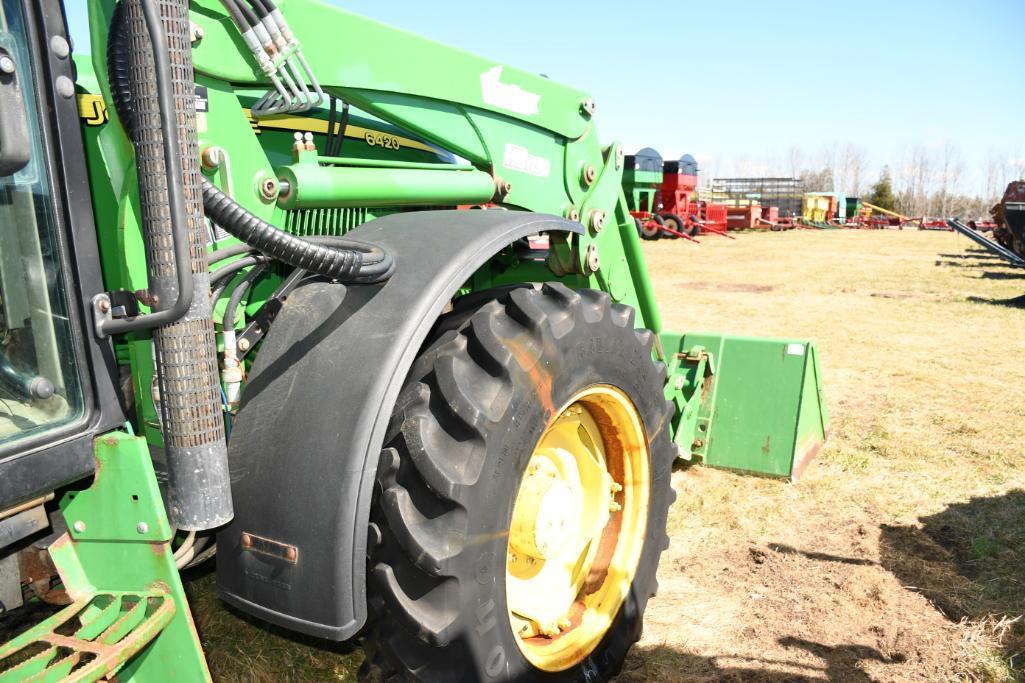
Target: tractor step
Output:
{"points": [[129, 620], [89, 640]]}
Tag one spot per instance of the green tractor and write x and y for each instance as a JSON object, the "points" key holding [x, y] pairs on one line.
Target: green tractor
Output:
{"points": [[246, 318]]}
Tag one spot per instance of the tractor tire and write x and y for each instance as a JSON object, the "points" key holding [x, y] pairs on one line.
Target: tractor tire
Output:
{"points": [[498, 377], [674, 222], [648, 233]]}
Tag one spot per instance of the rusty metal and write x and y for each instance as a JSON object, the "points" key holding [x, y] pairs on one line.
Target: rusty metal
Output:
{"points": [[269, 547], [39, 572]]}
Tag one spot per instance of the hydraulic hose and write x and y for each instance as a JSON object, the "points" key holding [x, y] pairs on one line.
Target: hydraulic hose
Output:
{"points": [[231, 310], [353, 263], [347, 261]]}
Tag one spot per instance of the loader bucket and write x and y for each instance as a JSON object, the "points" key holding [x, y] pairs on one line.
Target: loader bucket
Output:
{"points": [[763, 410]]}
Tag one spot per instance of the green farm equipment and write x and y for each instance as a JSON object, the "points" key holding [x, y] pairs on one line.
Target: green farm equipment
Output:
{"points": [[642, 178], [242, 320]]}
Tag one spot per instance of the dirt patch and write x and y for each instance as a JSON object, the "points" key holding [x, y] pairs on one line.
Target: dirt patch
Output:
{"points": [[726, 287], [824, 608]]}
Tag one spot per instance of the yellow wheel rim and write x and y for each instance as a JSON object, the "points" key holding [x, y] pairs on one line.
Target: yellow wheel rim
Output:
{"points": [[577, 528]]}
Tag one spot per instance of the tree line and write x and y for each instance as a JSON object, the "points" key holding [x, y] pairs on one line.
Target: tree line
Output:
{"points": [[921, 180]]}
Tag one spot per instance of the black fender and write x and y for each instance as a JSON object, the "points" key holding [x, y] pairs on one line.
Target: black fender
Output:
{"points": [[306, 442]]}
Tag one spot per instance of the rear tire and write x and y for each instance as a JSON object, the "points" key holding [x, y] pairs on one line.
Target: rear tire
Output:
{"points": [[649, 233], [674, 222], [478, 399]]}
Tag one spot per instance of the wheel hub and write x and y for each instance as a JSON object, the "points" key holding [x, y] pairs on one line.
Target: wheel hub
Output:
{"points": [[577, 528], [548, 512]]}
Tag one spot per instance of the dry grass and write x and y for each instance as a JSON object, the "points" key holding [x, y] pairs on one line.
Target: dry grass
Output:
{"points": [[900, 554]]}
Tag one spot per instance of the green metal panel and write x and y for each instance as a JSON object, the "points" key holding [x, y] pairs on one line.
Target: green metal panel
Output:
{"points": [[354, 53], [129, 614], [765, 411]]}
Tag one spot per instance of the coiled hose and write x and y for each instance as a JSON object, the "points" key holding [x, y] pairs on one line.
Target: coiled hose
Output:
{"points": [[347, 261]]}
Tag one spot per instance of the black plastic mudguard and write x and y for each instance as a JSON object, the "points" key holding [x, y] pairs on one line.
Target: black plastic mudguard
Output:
{"points": [[306, 442]]}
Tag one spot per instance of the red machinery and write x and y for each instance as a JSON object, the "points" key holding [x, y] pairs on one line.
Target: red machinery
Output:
{"points": [[679, 211], [744, 217], [983, 225], [932, 223]]}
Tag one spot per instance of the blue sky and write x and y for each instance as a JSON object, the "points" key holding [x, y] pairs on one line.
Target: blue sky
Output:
{"points": [[739, 83]]}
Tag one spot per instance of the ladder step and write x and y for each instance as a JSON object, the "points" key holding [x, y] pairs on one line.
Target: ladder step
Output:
{"points": [[88, 640]]}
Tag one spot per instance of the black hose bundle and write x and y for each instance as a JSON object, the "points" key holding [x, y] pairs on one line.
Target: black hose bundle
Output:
{"points": [[346, 261]]}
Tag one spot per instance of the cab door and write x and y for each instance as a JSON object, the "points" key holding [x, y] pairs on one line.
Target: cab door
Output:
{"points": [[57, 379]]}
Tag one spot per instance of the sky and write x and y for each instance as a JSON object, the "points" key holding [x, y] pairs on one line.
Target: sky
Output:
{"points": [[739, 83]]}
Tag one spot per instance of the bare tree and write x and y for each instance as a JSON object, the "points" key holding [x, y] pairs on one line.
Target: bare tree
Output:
{"points": [[794, 161], [851, 165], [951, 170], [996, 175], [914, 181], [1017, 165], [828, 157]]}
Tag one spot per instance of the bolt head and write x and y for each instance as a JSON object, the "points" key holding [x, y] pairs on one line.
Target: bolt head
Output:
{"points": [[78, 526], [269, 189], [593, 260], [142, 527], [103, 305], [243, 344], [6, 65], [60, 47], [589, 175], [246, 540]]}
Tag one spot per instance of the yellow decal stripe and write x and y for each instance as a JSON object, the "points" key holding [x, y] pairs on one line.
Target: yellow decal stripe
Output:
{"points": [[313, 125]]}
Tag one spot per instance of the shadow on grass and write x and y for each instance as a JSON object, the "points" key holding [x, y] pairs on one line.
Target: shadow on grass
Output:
{"points": [[977, 255], [841, 663], [969, 561], [242, 648], [822, 557], [1000, 275], [1016, 302]]}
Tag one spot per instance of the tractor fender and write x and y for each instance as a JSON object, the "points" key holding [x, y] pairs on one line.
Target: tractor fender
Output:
{"points": [[307, 439]]}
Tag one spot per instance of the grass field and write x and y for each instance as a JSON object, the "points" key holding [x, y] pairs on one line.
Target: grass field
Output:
{"points": [[900, 556]]}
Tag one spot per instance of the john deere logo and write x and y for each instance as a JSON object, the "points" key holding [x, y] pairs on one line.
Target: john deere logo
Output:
{"points": [[92, 110]]}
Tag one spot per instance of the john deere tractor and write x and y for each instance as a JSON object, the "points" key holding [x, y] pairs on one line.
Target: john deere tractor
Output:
{"points": [[247, 317]]}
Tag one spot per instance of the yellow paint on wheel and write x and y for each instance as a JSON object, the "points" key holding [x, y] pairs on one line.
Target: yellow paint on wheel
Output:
{"points": [[578, 528]]}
